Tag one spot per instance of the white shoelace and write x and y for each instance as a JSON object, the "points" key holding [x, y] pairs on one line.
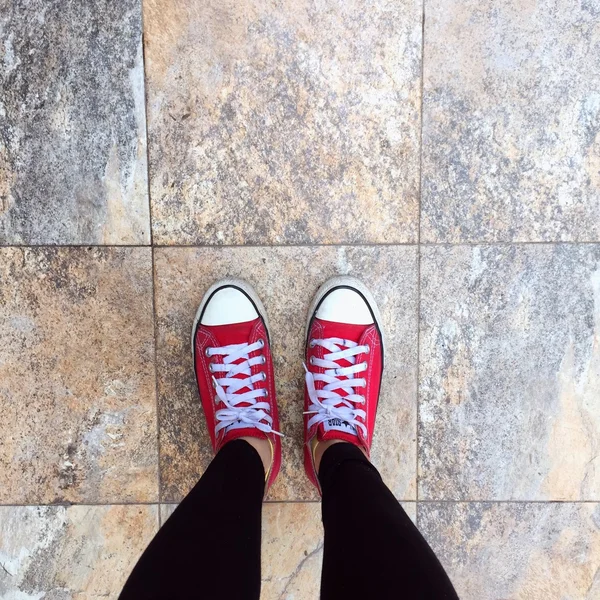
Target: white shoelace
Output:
{"points": [[326, 403], [255, 413]]}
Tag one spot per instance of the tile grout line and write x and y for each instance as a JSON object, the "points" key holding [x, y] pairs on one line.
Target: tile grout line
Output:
{"points": [[418, 350], [146, 131], [274, 502], [349, 244], [152, 251], [154, 325]]}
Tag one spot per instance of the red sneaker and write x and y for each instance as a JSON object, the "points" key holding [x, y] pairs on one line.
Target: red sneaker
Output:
{"points": [[234, 368], [344, 364]]}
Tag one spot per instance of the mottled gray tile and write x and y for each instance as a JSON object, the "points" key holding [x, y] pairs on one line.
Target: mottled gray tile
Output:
{"points": [[292, 548], [511, 121], [71, 553], [286, 279], [510, 373], [524, 551], [283, 122], [77, 379], [72, 123]]}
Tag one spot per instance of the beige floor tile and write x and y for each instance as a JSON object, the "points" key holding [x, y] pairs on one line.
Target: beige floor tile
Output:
{"points": [[292, 551], [411, 510], [521, 551], [77, 380], [511, 121], [73, 166], [510, 373], [76, 552], [285, 279], [283, 122]]}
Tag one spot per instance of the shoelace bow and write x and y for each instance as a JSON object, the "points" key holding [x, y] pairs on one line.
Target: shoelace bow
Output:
{"points": [[327, 403], [255, 412]]}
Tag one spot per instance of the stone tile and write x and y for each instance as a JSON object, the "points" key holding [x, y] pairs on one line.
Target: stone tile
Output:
{"points": [[166, 510], [292, 551], [71, 552], [510, 373], [292, 548], [511, 121], [77, 380], [411, 510], [73, 166], [286, 278], [283, 122], [521, 551]]}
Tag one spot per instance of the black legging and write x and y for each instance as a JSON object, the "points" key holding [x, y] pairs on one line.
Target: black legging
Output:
{"points": [[210, 547]]}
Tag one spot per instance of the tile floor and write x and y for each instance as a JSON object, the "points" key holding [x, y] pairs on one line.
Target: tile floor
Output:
{"points": [[446, 152]]}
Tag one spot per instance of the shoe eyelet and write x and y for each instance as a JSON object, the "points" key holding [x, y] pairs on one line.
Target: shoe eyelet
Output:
{"points": [[211, 368], [368, 349], [264, 376], [312, 344], [311, 360], [264, 360], [214, 384], [266, 393], [207, 352], [261, 342]]}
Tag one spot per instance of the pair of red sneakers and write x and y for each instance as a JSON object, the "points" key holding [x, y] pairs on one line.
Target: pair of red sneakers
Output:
{"points": [[344, 364]]}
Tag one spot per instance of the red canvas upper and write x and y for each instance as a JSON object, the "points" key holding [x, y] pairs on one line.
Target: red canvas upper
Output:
{"points": [[225, 335], [363, 335]]}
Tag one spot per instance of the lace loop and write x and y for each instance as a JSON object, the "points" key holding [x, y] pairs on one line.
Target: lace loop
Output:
{"points": [[327, 403], [240, 407]]}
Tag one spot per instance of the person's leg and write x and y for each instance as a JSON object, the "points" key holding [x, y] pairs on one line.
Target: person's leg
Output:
{"points": [[372, 548], [210, 546]]}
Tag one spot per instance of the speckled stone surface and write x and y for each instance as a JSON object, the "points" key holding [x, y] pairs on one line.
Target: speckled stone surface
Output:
{"points": [[283, 122], [77, 380], [292, 551], [292, 548], [526, 551], [510, 373], [511, 121], [286, 278], [74, 553], [285, 139], [73, 166]]}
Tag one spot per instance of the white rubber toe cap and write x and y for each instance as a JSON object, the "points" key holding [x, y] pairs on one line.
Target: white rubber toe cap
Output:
{"points": [[344, 305], [228, 305]]}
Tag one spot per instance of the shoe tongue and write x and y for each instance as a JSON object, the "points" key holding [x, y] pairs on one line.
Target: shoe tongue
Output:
{"points": [[338, 425], [335, 429], [236, 333], [348, 332]]}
